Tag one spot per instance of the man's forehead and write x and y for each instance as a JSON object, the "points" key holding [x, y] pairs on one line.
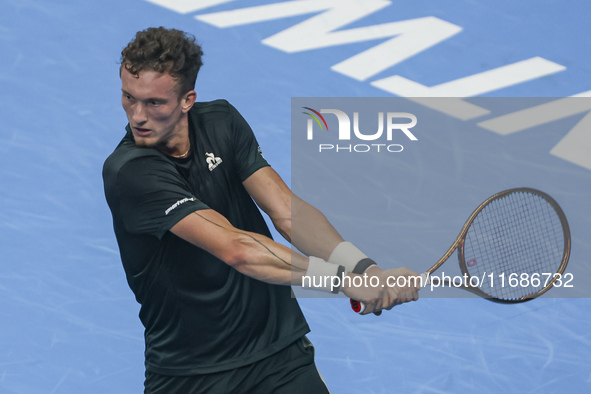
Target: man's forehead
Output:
{"points": [[146, 81]]}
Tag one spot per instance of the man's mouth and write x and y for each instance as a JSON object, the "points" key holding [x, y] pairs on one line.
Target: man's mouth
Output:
{"points": [[141, 132]]}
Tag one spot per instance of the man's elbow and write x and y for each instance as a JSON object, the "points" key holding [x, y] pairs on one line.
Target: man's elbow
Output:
{"points": [[239, 253], [283, 227]]}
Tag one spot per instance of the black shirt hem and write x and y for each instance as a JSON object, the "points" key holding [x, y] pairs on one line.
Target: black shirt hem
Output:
{"points": [[232, 364]]}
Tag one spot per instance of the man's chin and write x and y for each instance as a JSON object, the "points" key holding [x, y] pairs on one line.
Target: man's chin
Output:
{"points": [[145, 143]]}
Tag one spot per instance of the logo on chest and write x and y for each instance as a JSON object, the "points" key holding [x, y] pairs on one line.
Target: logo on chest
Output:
{"points": [[212, 161]]}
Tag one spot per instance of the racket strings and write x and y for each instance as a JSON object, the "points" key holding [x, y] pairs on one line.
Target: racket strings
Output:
{"points": [[510, 240]]}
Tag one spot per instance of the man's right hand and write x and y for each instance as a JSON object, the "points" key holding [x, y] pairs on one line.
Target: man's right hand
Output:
{"points": [[379, 289]]}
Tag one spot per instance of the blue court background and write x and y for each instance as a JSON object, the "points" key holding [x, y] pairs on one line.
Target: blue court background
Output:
{"points": [[68, 321]]}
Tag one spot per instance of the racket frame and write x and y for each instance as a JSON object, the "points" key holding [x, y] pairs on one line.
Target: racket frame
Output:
{"points": [[461, 238], [459, 243]]}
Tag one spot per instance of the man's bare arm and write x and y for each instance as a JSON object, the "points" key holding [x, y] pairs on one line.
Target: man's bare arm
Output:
{"points": [[311, 232], [251, 254], [261, 258], [298, 222]]}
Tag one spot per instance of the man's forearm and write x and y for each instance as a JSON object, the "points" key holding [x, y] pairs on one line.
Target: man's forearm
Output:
{"points": [[311, 232], [264, 259]]}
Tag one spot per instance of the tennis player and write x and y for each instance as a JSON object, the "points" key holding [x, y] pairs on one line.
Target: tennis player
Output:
{"points": [[214, 288]]}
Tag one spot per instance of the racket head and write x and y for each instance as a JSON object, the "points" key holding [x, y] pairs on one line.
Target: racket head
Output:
{"points": [[515, 243]]}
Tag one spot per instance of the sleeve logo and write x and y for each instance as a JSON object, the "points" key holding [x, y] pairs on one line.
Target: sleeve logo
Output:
{"points": [[179, 202]]}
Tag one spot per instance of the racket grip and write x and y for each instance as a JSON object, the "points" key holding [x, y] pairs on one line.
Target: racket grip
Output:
{"points": [[357, 306]]}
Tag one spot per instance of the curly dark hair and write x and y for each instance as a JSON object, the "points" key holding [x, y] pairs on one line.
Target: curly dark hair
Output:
{"points": [[166, 51]]}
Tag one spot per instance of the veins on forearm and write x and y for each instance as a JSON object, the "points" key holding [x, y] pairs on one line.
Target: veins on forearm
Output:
{"points": [[254, 239]]}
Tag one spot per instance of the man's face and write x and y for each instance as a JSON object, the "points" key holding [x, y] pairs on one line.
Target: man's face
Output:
{"points": [[153, 107]]}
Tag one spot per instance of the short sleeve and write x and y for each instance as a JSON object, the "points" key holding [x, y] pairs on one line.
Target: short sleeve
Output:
{"points": [[248, 154], [153, 197]]}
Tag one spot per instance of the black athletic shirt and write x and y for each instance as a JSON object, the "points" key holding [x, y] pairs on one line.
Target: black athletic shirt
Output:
{"points": [[200, 315]]}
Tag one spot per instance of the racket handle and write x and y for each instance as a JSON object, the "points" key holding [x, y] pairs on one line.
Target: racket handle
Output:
{"points": [[359, 306]]}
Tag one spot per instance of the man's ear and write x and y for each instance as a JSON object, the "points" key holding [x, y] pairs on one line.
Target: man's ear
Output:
{"points": [[188, 100]]}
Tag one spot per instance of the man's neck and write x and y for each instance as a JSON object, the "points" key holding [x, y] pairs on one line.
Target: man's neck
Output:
{"points": [[179, 144]]}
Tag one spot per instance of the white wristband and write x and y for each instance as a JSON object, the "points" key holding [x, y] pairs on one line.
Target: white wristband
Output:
{"points": [[350, 257], [323, 276]]}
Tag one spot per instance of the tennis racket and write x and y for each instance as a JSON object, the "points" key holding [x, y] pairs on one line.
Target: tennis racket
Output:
{"points": [[514, 247]]}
